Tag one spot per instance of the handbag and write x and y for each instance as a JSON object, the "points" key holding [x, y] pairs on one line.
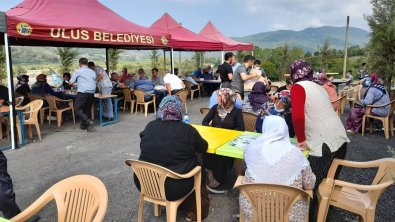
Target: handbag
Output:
{"points": [[190, 203]]}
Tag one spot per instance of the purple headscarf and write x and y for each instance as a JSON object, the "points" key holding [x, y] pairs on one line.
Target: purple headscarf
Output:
{"points": [[301, 70], [170, 109], [258, 96]]}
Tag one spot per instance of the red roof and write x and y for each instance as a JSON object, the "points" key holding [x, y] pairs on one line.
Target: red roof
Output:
{"points": [[211, 32], [184, 39], [78, 21]]}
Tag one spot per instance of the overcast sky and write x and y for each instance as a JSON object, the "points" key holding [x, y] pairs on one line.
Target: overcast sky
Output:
{"points": [[240, 17]]}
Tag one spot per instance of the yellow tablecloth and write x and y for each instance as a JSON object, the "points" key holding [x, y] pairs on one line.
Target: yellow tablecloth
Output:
{"points": [[219, 141], [216, 137]]}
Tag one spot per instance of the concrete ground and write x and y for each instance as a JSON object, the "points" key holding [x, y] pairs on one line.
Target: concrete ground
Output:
{"points": [[68, 151]]}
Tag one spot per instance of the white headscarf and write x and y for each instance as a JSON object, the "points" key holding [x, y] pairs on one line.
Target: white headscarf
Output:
{"points": [[272, 158]]}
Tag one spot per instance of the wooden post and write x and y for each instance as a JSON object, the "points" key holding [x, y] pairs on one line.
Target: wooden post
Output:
{"points": [[346, 48]]}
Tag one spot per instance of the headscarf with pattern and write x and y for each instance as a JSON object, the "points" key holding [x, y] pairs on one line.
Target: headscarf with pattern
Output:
{"points": [[301, 70], [170, 109], [375, 83], [226, 101]]}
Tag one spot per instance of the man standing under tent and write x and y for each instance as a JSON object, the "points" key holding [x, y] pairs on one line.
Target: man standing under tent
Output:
{"points": [[241, 75], [225, 70], [85, 79]]}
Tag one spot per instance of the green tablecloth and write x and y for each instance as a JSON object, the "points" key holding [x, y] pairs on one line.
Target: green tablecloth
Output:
{"points": [[235, 148]]}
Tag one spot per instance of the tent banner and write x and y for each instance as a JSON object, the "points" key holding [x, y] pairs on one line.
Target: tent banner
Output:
{"points": [[64, 34]]}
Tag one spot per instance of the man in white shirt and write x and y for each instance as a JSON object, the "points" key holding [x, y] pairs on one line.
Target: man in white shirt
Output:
{"points": [[173, 84], [85, 78]]}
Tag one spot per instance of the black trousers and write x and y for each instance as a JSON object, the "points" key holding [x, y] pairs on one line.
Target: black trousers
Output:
{"points": [[8, 206], [219, 165], [320, 167], [173, 92], [83, 104]]}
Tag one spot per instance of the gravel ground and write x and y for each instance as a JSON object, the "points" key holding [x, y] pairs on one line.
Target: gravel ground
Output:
{"points": [[68, 151]]}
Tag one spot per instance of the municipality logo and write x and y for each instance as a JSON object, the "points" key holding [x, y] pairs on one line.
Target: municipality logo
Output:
{"points": [[164, 40], [24, 29]]}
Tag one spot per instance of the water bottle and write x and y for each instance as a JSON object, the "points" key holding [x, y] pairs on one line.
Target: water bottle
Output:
{"points": [[185, 119]]}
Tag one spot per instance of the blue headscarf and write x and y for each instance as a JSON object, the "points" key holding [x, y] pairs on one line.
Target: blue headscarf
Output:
{"points": [[170, 109]]}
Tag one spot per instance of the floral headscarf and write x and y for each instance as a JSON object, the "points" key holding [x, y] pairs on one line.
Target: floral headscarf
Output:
{"points": [[226, 100], [285, 97], [301, 70], [170, 109]]}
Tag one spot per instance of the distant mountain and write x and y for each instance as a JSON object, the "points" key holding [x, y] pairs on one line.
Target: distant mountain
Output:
{"points": [[308, 39]]}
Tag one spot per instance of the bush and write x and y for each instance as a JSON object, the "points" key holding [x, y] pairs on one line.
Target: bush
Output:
{"points": [[271, 71]]}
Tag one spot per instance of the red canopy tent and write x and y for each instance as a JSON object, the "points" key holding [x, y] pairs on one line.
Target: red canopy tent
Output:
{"points": [[72, 23], [211, 32], [182, 38], [77, 23]]}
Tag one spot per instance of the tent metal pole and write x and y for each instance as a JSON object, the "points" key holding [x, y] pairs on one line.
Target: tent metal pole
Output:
{"points": [[10, 91], [252, 52], [107, 62], [164, 61], [222, 57], [179, 63], [172, 60]]}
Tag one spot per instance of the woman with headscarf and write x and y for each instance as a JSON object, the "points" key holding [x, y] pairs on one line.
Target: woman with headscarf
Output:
{"points": [[172, 144], [22, 88], [376, 94], [272, 159], [281, 106], [329, 88], [317, 127], [254, 101], [222, 115]]}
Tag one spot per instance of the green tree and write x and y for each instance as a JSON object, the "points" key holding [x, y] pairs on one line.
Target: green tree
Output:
{"points": [[198, 59], [271, 71], [284, 58], [326, 54], [381, 47], [240, 56], [3, 67], [113, 59], [308, 54], [154, 57], [67, 56]]}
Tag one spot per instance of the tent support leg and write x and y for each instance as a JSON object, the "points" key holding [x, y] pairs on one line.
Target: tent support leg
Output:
{"points": [[222, 57], [172, 60], [179, 66], [10, 78], [107, 62], [164, 60]]}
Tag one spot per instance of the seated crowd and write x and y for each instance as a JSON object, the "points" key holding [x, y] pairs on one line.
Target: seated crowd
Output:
{"points": [[271, 158], [300, 109]]}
